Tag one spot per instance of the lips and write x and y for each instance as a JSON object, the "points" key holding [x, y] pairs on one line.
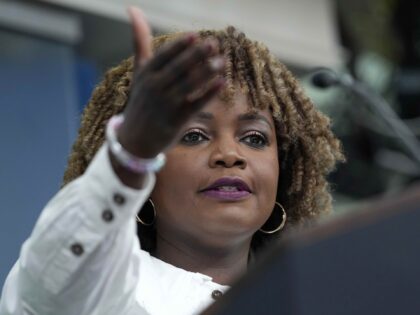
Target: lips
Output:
{"points": [[228, 184]]}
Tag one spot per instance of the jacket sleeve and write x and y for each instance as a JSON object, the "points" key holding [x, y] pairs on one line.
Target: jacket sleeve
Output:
{"points": [[83, 254]]}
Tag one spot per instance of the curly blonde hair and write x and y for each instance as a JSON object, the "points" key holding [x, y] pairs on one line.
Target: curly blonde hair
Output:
{"points": [[307, 148]]}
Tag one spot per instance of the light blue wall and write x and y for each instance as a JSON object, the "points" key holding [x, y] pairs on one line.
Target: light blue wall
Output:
{"points": [[38, 120]]}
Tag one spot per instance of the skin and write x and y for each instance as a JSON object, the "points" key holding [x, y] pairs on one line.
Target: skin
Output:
{"points": [[195, 232], [163, 96], [203, 234]]}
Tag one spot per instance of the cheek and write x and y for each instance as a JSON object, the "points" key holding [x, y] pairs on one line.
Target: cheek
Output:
{"points": [[267, 173], [177, 179]]}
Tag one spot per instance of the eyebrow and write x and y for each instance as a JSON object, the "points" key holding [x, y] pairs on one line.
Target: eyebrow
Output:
{"points": [[242, 117], [204, 116], [254, 116]]}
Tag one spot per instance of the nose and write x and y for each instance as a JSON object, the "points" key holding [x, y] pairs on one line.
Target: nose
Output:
{"points": [[226, 153]]}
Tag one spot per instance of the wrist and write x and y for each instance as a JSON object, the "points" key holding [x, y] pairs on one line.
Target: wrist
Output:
{"points": [[129, 142], [126, 157], [127, 177]]}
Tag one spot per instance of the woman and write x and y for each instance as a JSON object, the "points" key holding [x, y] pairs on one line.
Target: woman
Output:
{"points": [[245, 149]]}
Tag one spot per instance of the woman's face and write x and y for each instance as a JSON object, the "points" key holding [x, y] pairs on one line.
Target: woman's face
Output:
{"points": [[220, 180]]}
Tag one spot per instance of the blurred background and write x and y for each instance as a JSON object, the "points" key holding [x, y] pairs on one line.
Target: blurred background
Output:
{"points": [[53, 53]]}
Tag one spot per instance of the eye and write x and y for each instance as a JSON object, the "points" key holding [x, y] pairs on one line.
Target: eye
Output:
{"points": [[193, 136], [255, 139]]}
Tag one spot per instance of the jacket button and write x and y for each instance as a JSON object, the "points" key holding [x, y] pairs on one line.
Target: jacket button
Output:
{"points": [[216, 294], [77, 249], [107, 215], [119, 199]]}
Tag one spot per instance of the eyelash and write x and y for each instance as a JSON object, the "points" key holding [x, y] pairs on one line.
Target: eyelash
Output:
{"points": [[258, 134], [249, 134], [193, 132]]}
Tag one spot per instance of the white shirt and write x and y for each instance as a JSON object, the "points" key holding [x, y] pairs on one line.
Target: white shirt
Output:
{"points": [[83, 257]]}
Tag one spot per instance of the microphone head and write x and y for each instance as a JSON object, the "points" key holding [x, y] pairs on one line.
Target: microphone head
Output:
{"points": [[324, 78]]}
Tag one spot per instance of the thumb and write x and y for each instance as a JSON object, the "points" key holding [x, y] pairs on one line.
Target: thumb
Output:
{"points": [[141, 35]]}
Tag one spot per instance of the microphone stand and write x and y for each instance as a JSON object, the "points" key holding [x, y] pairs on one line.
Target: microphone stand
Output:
{"points": [[376, 102]]}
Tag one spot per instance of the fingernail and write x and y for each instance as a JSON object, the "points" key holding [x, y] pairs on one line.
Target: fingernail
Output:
{"points": [[190, 37], [217, 63], [220, 82], [210, 45], [134, 10]]}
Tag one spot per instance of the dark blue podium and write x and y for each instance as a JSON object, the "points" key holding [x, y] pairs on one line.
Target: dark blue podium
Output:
{"points": [[367, 262]]}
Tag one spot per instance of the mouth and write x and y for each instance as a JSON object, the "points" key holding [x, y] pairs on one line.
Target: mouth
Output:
{"points": [[227, 188], [228, 184]]}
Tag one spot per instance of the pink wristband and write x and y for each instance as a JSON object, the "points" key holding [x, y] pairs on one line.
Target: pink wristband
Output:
{"points": [[128, 160]]}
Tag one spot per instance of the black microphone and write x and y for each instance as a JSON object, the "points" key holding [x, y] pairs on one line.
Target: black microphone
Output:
{"points": [[324, 78]]}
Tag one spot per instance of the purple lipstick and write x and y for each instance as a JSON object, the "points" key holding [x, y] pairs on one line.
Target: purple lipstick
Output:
{"points": [[227, 188]]}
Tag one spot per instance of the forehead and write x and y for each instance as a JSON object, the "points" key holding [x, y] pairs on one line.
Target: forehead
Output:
{"points": [[239, 104]]}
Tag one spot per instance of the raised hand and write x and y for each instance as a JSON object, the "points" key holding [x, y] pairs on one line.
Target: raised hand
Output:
{"points": [[167, 88]]}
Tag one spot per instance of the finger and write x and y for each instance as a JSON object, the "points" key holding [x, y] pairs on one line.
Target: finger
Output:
{"points": [[187, 106], [197, 102], [200, 76], [187, 61], [142, 35], [171, 50]]}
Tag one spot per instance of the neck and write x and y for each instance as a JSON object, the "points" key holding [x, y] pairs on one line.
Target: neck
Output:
{"points": [[224, 265]]}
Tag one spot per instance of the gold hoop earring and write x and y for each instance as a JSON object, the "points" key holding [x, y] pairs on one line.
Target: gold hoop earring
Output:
{"points": [[283, 221], [154, 216]]}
